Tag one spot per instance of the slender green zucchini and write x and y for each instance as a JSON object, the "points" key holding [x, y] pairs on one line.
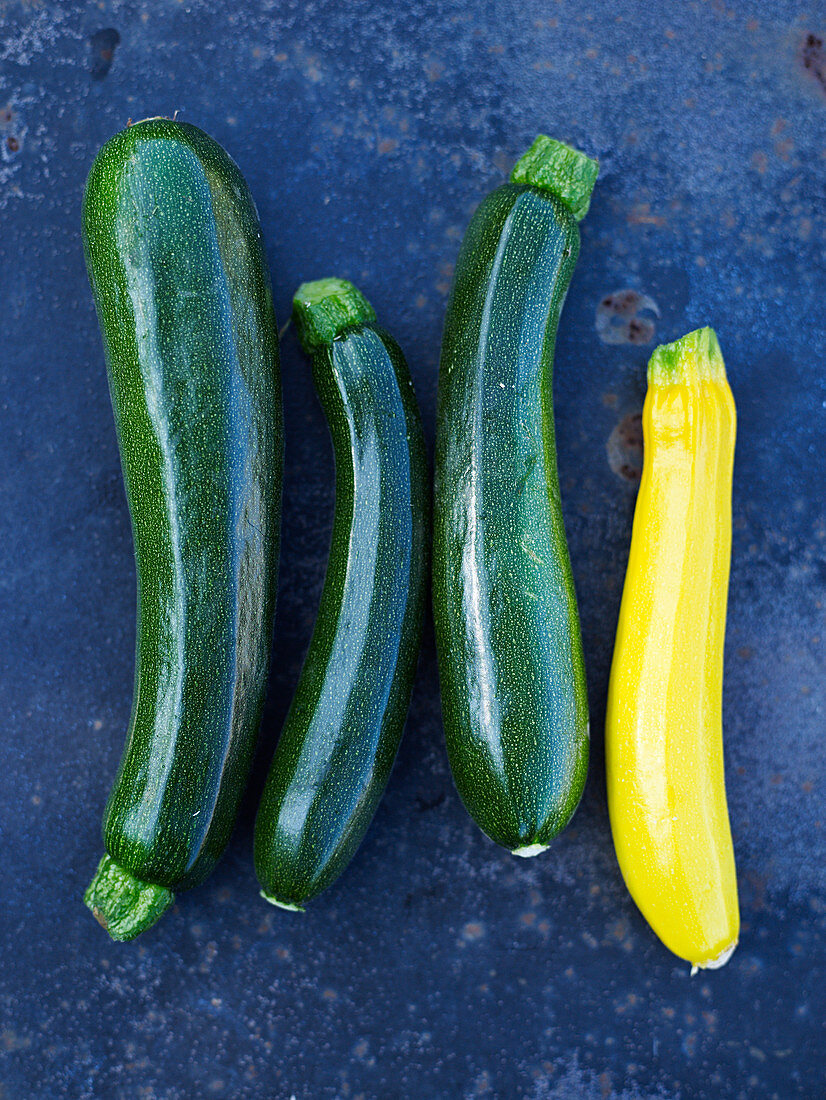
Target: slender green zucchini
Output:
{"points": [[341, 734], [512, 678], [174, 254]]}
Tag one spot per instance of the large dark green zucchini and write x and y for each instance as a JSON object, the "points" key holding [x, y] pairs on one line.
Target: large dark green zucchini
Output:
{"points": [[512, 678], [343, 729], [174, 253]]}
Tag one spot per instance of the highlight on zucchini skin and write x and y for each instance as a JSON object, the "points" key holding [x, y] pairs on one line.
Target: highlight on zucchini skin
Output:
{"points": [[664, 739], [178, 273], [514, 699], [343, 729]]}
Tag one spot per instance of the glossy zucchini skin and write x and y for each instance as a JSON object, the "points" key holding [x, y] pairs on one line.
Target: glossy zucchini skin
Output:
{"points": [[664, 763], [511, 669], [174, 254], [343, 729]]}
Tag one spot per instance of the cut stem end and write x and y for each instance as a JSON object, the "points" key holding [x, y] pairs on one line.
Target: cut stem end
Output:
{"points": [[694, 358], [324, 309], [122, 904], [560, 169]]}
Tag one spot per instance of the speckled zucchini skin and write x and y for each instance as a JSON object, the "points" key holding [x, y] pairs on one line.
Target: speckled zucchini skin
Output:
{"points": [[512, 678], [174, 254], [342, 732]]}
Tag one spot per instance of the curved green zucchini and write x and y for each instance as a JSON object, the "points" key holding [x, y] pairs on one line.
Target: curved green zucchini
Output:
{"points": [[514, 698], [174, 254], [341, 734]]}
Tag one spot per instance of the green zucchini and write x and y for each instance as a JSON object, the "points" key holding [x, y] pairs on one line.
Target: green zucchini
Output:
{"points": [[512, 677], [342, 731], [179, 277]]}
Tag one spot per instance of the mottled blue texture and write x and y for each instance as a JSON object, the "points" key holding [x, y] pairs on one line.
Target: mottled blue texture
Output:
{"points": [[438, 966]]}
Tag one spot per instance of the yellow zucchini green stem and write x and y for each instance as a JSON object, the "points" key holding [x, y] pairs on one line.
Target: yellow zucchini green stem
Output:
{"points": [[559, 168], [664, 735], [123, 904], [324, 309], [691, 359]]}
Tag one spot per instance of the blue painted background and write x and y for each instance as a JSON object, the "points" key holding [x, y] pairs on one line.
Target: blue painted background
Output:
{"points": [[438, 966]]}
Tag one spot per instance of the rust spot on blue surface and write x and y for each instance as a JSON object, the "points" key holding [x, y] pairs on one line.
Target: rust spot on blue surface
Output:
{"points": [[626, 317], [813, 59], [624, 448], [103, 44]]}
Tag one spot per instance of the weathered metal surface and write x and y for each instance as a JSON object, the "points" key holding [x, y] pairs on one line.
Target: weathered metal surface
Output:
{"points": [[438, 966]]}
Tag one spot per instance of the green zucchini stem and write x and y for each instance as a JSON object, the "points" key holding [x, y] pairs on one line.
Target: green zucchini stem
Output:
{"points": [[693, 358], [324, 309], [122, 904], [554, 166]]}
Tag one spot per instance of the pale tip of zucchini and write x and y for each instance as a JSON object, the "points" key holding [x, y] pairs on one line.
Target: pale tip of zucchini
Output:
{"points": [[325, 308], [528, 850], [553, 166], [282, 904], [718, 961]]}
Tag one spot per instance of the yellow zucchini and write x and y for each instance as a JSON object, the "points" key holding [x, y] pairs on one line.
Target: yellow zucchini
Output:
{"points": [[664, 740]]}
